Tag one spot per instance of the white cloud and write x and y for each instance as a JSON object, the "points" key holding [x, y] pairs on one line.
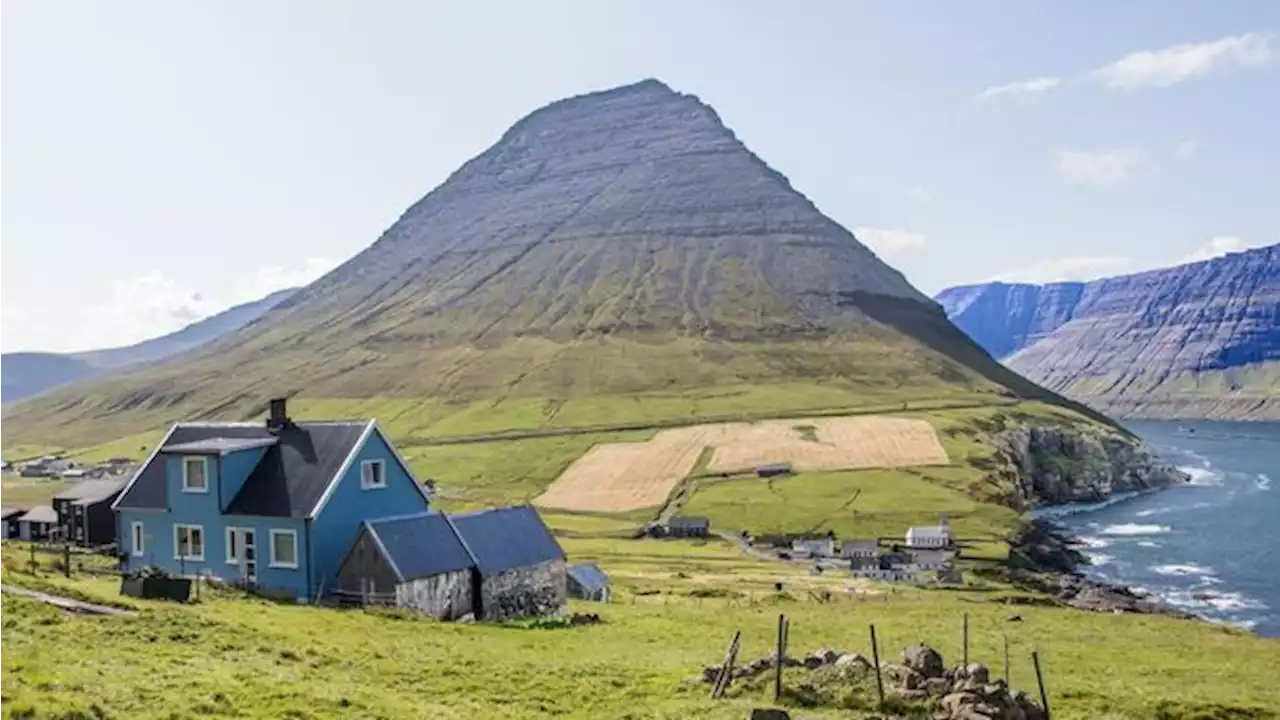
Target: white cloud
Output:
{"points": [[1024, 88], [1178, 63], [1219, 246], [919, 194], [153, 304], [1187, 148], [1104, 168], [1067, 269], [890, 242]]}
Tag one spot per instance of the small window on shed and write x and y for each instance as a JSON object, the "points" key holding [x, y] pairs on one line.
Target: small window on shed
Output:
{"points": [[373, 474]]}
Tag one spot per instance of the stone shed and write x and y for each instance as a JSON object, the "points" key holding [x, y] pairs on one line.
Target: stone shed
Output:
{"points": [[495, 564]]}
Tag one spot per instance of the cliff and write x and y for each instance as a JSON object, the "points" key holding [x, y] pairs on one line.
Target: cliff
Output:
{"points": [[1055, 465], [1196, 341]]}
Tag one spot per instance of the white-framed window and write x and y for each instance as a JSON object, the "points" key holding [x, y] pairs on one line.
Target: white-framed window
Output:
{"points": [[139, 539], [195, 476], [188, 543], [284, 548], [233, 537], [373, 474]]}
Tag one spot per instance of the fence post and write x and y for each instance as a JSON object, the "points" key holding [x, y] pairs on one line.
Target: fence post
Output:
{"points": [[66, 559], [1044, 696], [875, 657], [966, 639], [779, 657]]}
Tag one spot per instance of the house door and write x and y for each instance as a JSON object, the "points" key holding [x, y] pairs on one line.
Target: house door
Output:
{"points": [[246, 554]]}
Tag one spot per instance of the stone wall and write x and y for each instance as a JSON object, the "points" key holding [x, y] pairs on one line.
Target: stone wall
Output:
{"points": [[446, 596], [537, 590]]}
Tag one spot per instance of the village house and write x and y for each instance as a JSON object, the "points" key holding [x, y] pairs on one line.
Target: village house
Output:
{"points": [[273, 505], [860, 553], [85, 517], [9, 517], [927, 559], [931, 536], [494, 564], [773, 469], [815, 546], [587, 581], [39, 524]]}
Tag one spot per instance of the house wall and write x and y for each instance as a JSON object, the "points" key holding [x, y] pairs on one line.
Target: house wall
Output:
{"points": [[233, 470], [100, 522], [335, 528], [160, 550], [446, 596], [536, 590]]}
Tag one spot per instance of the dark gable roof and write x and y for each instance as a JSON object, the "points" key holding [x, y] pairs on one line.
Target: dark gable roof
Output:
{"points": [[420, 545], [288, 481], [294, 473], [506, 538], [689, 523]]}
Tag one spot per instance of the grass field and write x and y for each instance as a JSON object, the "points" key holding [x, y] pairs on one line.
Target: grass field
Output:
{"points": [[676, 606]]}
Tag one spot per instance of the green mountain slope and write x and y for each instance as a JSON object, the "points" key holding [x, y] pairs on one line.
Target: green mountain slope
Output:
{"points": [[617, 243]]}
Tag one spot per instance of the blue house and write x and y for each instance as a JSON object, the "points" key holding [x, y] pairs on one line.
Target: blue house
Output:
{"points": [[275, 505]]}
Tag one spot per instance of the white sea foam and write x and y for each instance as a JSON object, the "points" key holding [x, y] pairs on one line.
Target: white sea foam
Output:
{"points": [[1264, 481], [1212, 600], [1205, 476], [1093, 542], [1187, 569], [1098, 559], [1148, 544], [1130, 529]]}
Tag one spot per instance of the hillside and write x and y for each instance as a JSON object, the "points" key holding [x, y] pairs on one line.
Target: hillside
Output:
{"points": [[618, 244], [1195, 341], [29, 373]]}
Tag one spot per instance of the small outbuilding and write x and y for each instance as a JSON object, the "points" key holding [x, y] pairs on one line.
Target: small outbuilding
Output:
{"points": [[9, 522], [493, 565], [588, 582], [681, 526], [769, 470], [84, 512], [38, 524]]}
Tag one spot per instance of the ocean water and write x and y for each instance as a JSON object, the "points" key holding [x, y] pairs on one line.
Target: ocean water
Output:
{"points": [[1211, 548]]}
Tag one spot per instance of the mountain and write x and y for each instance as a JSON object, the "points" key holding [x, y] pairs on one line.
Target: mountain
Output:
{"points": [[1195, 341], [614, 243], [29, 373]]}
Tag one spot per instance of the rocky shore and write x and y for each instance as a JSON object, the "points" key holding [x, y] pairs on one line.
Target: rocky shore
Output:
{"points": [[1043, 559]]}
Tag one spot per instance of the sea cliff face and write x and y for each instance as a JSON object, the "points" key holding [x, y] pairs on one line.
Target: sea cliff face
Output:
{"points": [[1196, 341], [1056, 465]]}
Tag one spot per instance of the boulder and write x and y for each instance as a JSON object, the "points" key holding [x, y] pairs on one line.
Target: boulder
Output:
{"points": [[853, 660], [937, 687], [924, 660], [904, 676], [812, 662], [769, 714], [977, 671], [913, 694], [827, 656], [958, 701]]}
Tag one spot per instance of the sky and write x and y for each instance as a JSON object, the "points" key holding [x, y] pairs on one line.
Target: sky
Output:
{"points": [[162, 161]]}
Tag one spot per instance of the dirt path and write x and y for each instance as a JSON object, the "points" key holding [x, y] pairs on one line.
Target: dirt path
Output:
{"points": [[67, 603]]}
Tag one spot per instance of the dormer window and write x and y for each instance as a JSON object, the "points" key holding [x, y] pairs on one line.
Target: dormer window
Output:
{"points": [[373, 474], [195, 477]]}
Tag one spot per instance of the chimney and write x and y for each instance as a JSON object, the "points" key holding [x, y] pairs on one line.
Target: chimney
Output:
{"points": [[279, 414]]}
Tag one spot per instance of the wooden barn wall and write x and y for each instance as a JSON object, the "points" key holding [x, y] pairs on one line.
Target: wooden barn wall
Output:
{"points": [[536, 590], [364, 561]]}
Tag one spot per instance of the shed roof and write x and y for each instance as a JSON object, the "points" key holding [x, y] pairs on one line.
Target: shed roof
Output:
{"points": [[6, 513], [588, 575], [289, 480], [40, 514], [506, 538], [420, 545], [92, 490], [688, 522]]}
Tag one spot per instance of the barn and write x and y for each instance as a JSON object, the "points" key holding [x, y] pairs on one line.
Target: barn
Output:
{"points": [[588, 582], [495, 564]]}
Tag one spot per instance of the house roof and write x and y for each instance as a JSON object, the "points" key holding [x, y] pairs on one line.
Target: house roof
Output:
{"points": [[505, 538], [219, 445], [90, 490], [40, 514], [930, 530], [290, 480], [6, 513], [420, 545], [588, 575], [861, 544], [688, 522]]}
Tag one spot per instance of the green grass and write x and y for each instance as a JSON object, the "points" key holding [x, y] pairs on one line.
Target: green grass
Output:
{"points": [[677, 605]]}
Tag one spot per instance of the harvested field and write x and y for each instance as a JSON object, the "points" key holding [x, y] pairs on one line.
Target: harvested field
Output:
{"points": [[617, 477]]}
